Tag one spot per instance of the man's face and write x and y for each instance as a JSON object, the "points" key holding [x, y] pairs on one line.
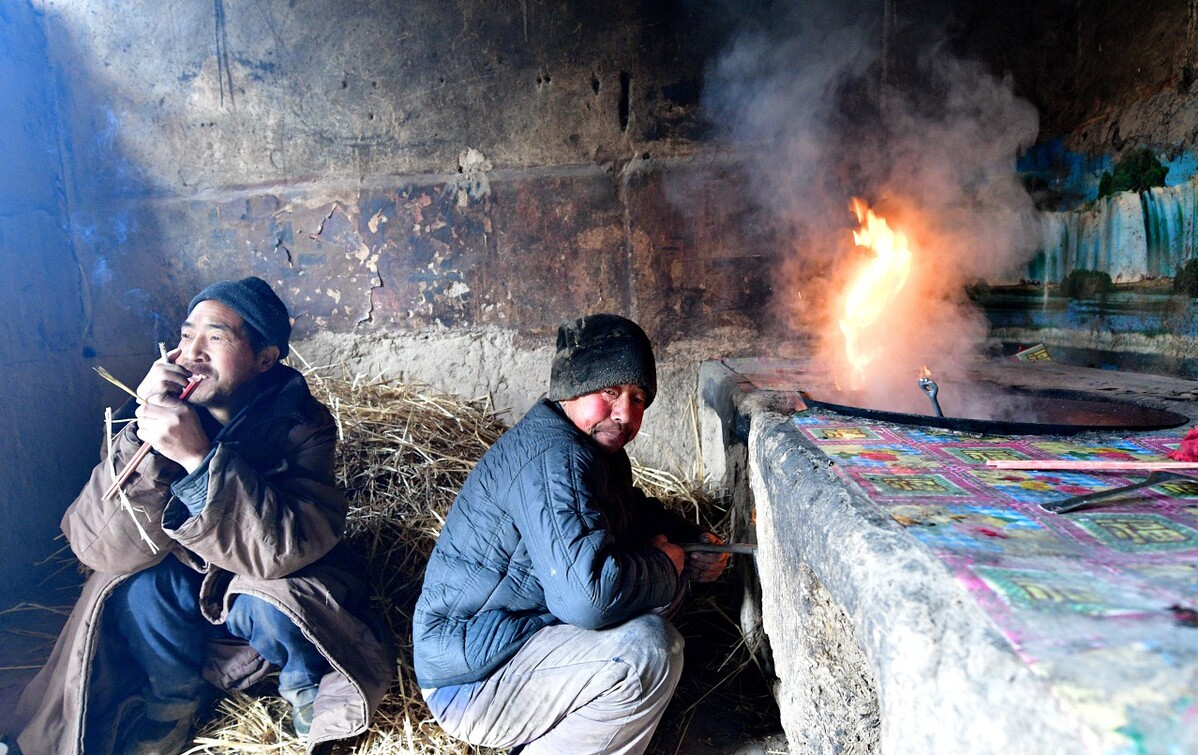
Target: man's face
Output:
{"points": [[612, 416], [214, 344]]}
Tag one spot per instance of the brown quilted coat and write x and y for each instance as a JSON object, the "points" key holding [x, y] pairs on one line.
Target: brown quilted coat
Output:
{"points": [[272, 528]]}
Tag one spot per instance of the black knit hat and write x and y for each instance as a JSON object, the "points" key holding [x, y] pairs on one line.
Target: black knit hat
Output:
{"points": [[599, 351], [258, 305]]}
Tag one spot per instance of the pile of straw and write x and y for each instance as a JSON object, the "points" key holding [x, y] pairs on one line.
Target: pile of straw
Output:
{"points": [[404, 452]]}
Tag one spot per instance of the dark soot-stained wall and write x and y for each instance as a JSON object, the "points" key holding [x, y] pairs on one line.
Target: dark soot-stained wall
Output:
{"points": [[396, 169], [46, 420], [391, 167]]}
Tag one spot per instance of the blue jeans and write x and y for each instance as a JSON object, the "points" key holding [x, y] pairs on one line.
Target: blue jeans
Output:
{"points": [[157, 612]]}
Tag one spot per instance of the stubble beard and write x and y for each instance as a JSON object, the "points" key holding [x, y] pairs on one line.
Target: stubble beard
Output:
{"points": [[612, 436]]}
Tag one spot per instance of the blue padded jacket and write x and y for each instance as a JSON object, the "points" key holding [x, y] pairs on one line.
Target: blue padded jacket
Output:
{"points": [[547, 529]]}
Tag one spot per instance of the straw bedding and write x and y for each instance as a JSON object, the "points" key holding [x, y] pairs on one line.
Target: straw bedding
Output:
{"points": [[404, 451]]}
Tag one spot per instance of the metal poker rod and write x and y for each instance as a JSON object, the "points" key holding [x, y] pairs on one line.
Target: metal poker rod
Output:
{"points": [[744, 549]]}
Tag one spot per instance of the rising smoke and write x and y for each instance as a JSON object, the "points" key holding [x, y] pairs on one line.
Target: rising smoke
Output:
{"points": [[860, 100]]}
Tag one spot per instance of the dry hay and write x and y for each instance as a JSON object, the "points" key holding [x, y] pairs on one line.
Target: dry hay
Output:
{"points": [[403, 453]]}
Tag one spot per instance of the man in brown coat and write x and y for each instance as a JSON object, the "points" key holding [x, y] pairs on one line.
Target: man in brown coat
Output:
{"points": [[220, 560]]}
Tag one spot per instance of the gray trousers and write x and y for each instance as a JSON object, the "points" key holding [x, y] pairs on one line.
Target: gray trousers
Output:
{"points": [[571, 690]]}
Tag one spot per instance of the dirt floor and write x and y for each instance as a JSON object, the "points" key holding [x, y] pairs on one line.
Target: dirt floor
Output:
{"points": [[723, 705]]}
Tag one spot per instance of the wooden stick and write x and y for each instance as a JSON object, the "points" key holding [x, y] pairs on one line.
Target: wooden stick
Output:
{"points": [[128, 507], [127, 471], [1091, 466], [142, 452]]}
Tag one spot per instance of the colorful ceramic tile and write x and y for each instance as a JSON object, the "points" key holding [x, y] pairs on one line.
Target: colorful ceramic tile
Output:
{"points": [[1179, 577], [919, 514], [882, 455], [981, 455], [938, 436], [1111, 450], [1179, 488], [1005, 518], [1052, 583], [953, 539], [1036, 487], [842, 433], [907, 485], [1056, 591], [1138, 533]]}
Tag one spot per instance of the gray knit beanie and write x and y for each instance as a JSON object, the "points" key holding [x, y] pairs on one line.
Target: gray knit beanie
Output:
{"points": [[258, 305], [599, 351]]}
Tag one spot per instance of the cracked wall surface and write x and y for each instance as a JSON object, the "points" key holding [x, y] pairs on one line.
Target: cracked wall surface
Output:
{"points": [[431, 188]]}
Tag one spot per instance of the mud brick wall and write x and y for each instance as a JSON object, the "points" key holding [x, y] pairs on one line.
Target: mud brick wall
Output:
{"points": [[432, 188], [386, 279], [541, 245]]}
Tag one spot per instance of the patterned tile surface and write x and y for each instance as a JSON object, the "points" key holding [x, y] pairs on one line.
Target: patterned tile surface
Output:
{"points": [[1100, 602]]}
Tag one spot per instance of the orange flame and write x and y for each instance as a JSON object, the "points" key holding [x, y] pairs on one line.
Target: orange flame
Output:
{"points": [[875, 285], [924, 372]]}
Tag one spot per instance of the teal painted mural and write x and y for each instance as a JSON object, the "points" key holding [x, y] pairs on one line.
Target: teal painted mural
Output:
{"points": [[1113, 280], [1132, 218]]}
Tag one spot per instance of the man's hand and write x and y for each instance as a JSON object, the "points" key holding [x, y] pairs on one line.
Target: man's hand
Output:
{"points": [[707, 567], [173, 429], [165, 378], [676, 554]]}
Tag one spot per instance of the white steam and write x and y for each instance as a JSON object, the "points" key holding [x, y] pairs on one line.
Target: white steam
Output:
{"points": [[926, 139]]}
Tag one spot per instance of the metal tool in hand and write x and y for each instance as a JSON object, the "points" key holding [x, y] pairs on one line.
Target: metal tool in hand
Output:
{"points": [[744, 549], [928, 386], [1078, 501]]}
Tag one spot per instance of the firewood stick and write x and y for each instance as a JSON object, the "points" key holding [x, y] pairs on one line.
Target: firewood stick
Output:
{"points": [[1090, 466], [127, 472], [141, 531], [142, 452]]}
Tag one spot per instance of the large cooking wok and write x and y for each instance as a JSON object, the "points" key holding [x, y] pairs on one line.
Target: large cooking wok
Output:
{"points": [[989, 408]]}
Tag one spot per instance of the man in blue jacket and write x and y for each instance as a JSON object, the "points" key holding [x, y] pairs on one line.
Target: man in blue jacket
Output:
{"points": [[543, 617]]}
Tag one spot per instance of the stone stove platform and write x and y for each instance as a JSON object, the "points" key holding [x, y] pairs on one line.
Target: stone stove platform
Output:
{"points": [[918, 601]]}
